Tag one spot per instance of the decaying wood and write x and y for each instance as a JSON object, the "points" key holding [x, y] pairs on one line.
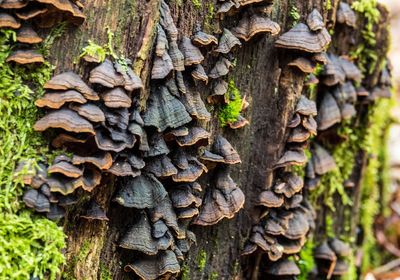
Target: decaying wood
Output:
{"points": [[262, 75]]}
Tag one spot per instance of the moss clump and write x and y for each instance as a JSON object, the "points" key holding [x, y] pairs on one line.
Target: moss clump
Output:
{"points": [[105, 274], [185, 272], [208, 26], [201, 260], [54, 35], [294, 15], [197, 4], [365, 53], [306, 260], [30, 246], [230, 112], [214, 276], [100, 52], [328, 5], [373, 179]]}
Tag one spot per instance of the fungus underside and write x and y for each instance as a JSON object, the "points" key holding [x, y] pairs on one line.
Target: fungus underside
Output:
{"points": [[30, 245], [230, 112]]}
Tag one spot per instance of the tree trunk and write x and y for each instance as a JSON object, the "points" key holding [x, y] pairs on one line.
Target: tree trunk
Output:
{"points": [[263, 77]]}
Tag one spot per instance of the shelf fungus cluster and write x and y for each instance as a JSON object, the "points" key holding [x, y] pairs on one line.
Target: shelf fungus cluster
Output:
{"points": [[102, 130], [26, 16], [286, 217], [167, 192], [331, 258]]}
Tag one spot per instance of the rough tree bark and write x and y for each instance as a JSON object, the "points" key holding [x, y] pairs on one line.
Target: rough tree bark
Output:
{"points": [[271, 88]]}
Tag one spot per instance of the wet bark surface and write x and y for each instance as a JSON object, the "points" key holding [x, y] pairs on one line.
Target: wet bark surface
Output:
{"points": [[261, 74]]}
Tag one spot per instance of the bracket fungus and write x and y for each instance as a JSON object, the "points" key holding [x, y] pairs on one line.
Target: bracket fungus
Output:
{"points": [[144, 191], [301, 38], [191, 53], [223, 200], [153, 267], [315, 21], [8, 21], [227, 42], [345, 15], [94, 212], [303, 64], [221, 68], [249, 26], [65, 119], [329, 112], [70, 80], [322, 161], [164, 110], [283, 268], [56, 99], [201, 38], [25, 57]]}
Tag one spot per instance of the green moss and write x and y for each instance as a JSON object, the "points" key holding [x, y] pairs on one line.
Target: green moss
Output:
{"points": [[54, 35], [306, 261], [84, 251], [185, 272], [105, 273], [100, 52], [214, 276], [208, 19], [328, 5], [201, 260], [365, 52], [197, 4], [230, 112], [29, 245], [294, 15], [374, 144]]}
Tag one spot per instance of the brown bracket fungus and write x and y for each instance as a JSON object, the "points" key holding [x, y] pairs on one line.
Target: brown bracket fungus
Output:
{"points": [[89, 111], [227, 42], [65, 119], [201, 38], [191, 53], [164, 110], [223, 148], [56, 99], [144, 191], [27, 35], [249, 26], [25, 57], [292, 157], [153, 267], [223, 200], [322, 161], [13, 4], [8, 21], [315, 21], [345, 15], [116, 98], [303, 64], [221, 68], [329, 112], [36, 200], [283, 268], [94, 212], [300, 37], [194, 105], [70, 80]]}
